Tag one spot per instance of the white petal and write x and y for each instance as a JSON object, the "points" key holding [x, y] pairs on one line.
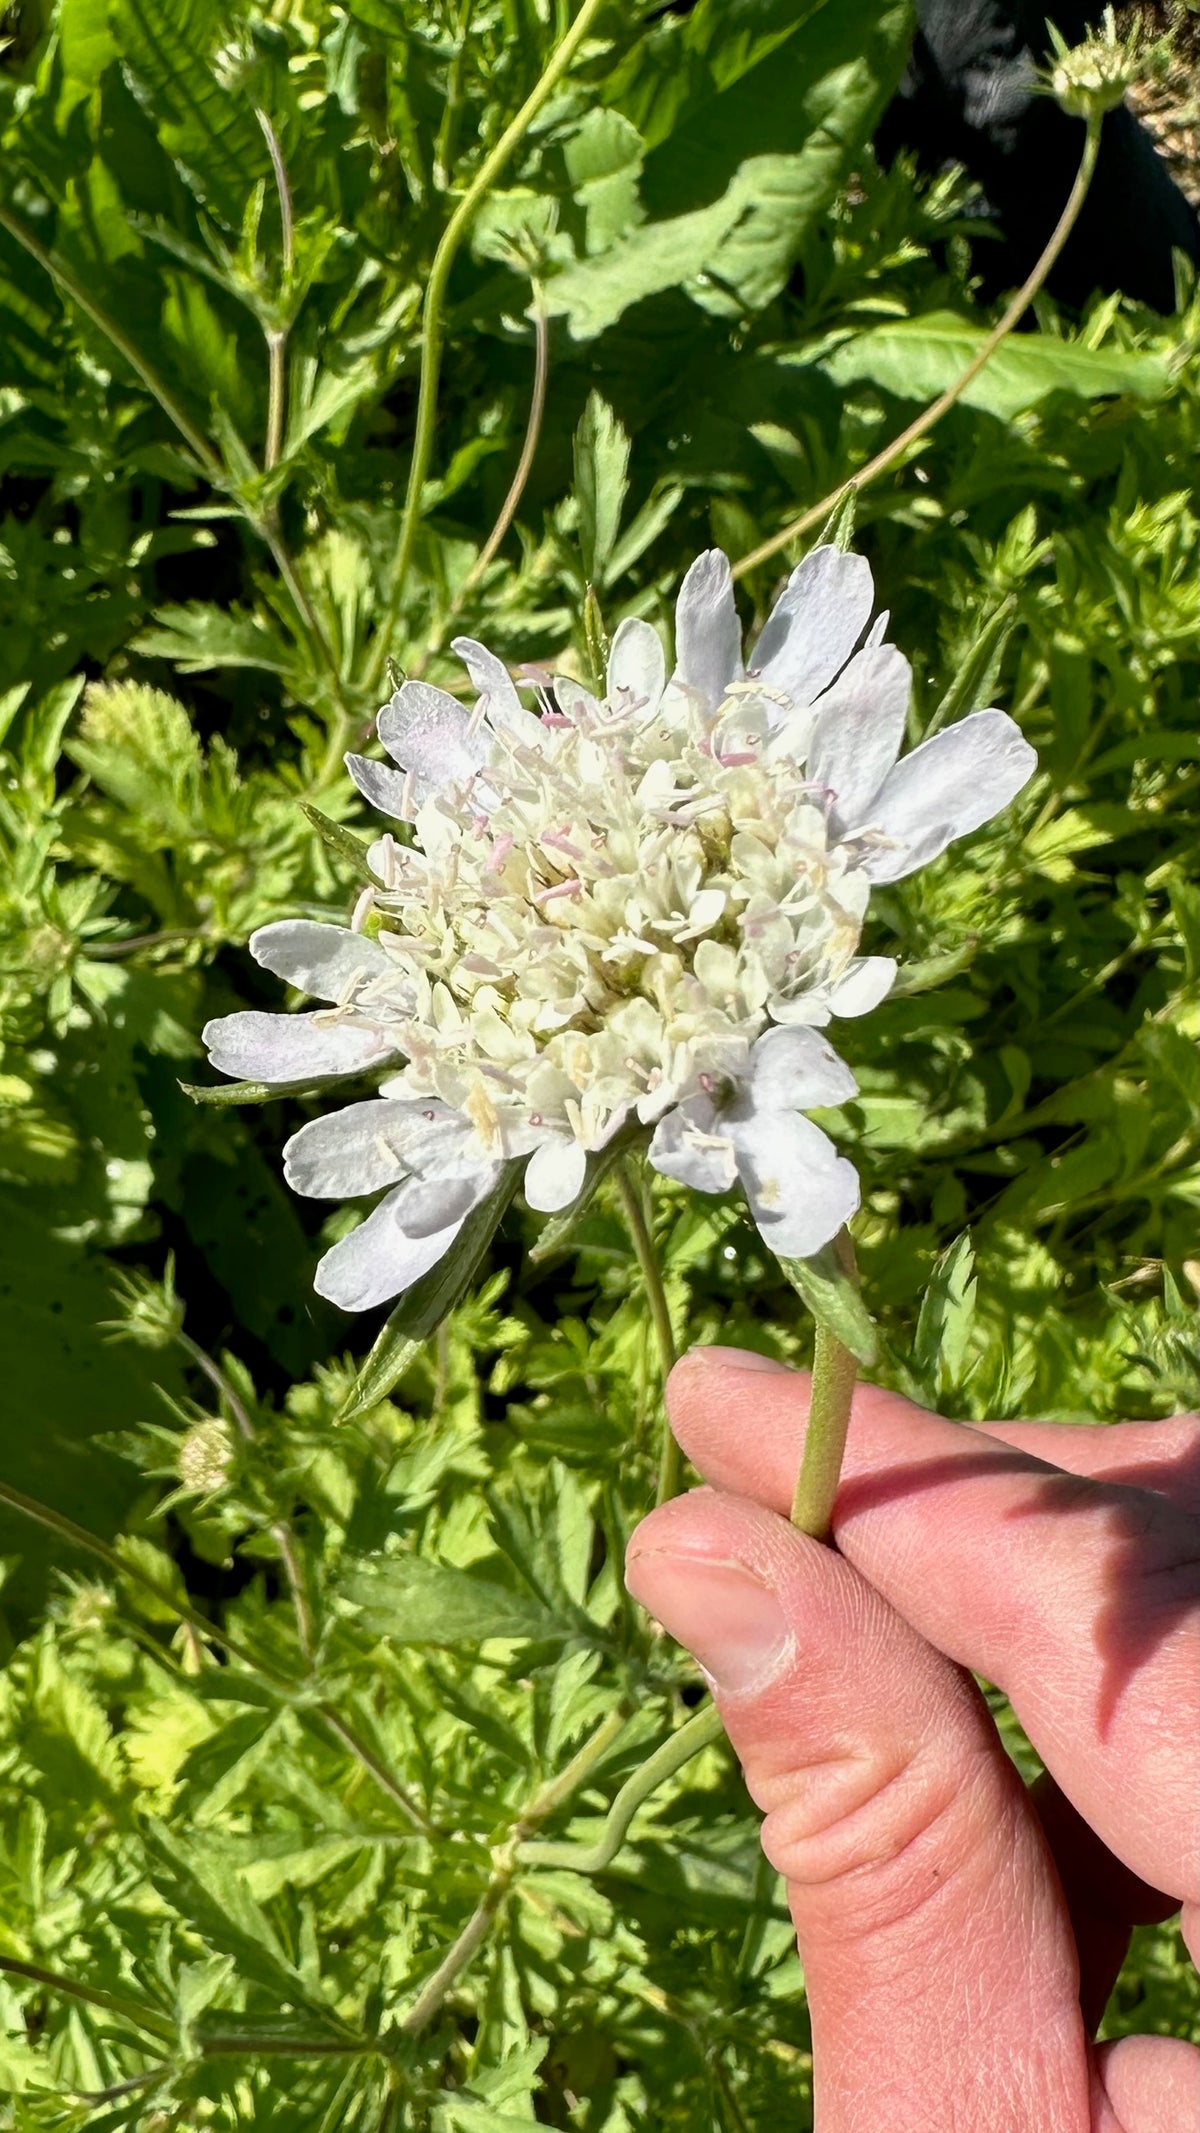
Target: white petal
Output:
{"points": [[637, 665], [862, 985], [257, 1047], [799, 1188], [425, 731], [954, 781], [491, 677], [574, 701], [554, 1175], [859, 729], [815, 623], [795, 1069], [689, 1144], [385, 788], [430, 1204], [708, 635], [318, 959], [379, 1259], [345, 1153]]}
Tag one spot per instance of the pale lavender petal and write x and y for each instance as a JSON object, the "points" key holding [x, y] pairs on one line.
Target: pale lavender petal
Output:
{"points": [[257, 1047], [380, 1259], [318, 959], [345, 1153], [690, 1144], [862, 985], [427, 732], [859, 729], [554, 1174], [708, 636], [952, 783], [795, 1069], [637, 666], [387, 790], [815, 623], [799, 1188]]}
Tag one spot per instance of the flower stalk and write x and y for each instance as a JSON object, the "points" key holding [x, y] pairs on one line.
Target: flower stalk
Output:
{"points": [[670, 1469], [835, 1372]]}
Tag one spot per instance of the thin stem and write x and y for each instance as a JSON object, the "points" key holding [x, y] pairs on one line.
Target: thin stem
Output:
{"points": [[700, 1731], [670, 1471], [945, 401], [159, 2025], [153, 2077], [375, 1768], [90, 1543], [835, 1371], [537, 406], [433, 316], [283, 190], [548, 1797], [65, 280], [276, 395], [457, 1956]]}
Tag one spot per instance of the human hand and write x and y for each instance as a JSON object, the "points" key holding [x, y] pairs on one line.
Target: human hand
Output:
{"points": [[959, 1935]]}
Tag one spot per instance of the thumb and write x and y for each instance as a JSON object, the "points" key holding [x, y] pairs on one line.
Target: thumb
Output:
{"points": [[939, 1965]]}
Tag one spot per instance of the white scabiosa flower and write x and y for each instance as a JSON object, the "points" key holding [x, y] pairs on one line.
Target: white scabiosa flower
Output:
{"points": [[614, 913]]}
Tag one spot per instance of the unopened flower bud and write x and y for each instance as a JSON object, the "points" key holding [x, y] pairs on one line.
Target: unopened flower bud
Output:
{"points": [[205, 1457]]}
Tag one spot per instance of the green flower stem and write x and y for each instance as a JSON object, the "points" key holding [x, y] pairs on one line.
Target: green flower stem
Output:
{"points": [[925, 421], [835, 1371], [290, 1691], [670, 1471], [700, 1731], [549, 1796], [433, 315]]}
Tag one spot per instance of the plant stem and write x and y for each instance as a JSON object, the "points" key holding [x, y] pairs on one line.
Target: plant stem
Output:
{"points": [[835, 1371], [331, 1718], [945, 401], [700, 1731], [65, 280], [149, 2018], [537, 404], [433, 315], [670, 1471], [544, 1801]]}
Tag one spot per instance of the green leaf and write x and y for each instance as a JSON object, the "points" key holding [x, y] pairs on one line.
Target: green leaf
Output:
{"points": [[918, 358], [601, 465], [422, 1308], [947, 1316], [168, 47], [411, 1601], [833, 1298]]}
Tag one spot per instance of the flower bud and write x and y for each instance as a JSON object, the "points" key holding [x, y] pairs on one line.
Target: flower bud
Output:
{"points": [[205, 1457]]}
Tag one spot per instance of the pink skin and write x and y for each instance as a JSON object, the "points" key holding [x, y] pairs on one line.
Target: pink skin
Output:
{"points": [[959, 1935]]}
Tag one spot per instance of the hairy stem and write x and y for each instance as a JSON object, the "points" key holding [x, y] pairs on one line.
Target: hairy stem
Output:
{"points": [[670, 1471], [433, 314], [945, 401], [835, 1371]]}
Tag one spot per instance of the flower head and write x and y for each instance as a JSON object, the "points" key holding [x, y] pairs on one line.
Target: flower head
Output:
{"points": [[633, 911]]}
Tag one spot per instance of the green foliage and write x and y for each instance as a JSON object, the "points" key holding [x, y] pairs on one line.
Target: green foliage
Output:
{"points": [[233, 1858]]}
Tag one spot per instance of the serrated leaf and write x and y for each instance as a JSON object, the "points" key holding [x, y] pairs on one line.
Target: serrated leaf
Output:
{"points": [[947, 1316], [601, 466], [411, 1601], [834, 1299], [422, 1308], [918, 358]]}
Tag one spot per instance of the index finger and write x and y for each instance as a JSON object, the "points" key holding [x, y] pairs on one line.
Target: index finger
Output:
{"points": [[1079, 1597]]}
